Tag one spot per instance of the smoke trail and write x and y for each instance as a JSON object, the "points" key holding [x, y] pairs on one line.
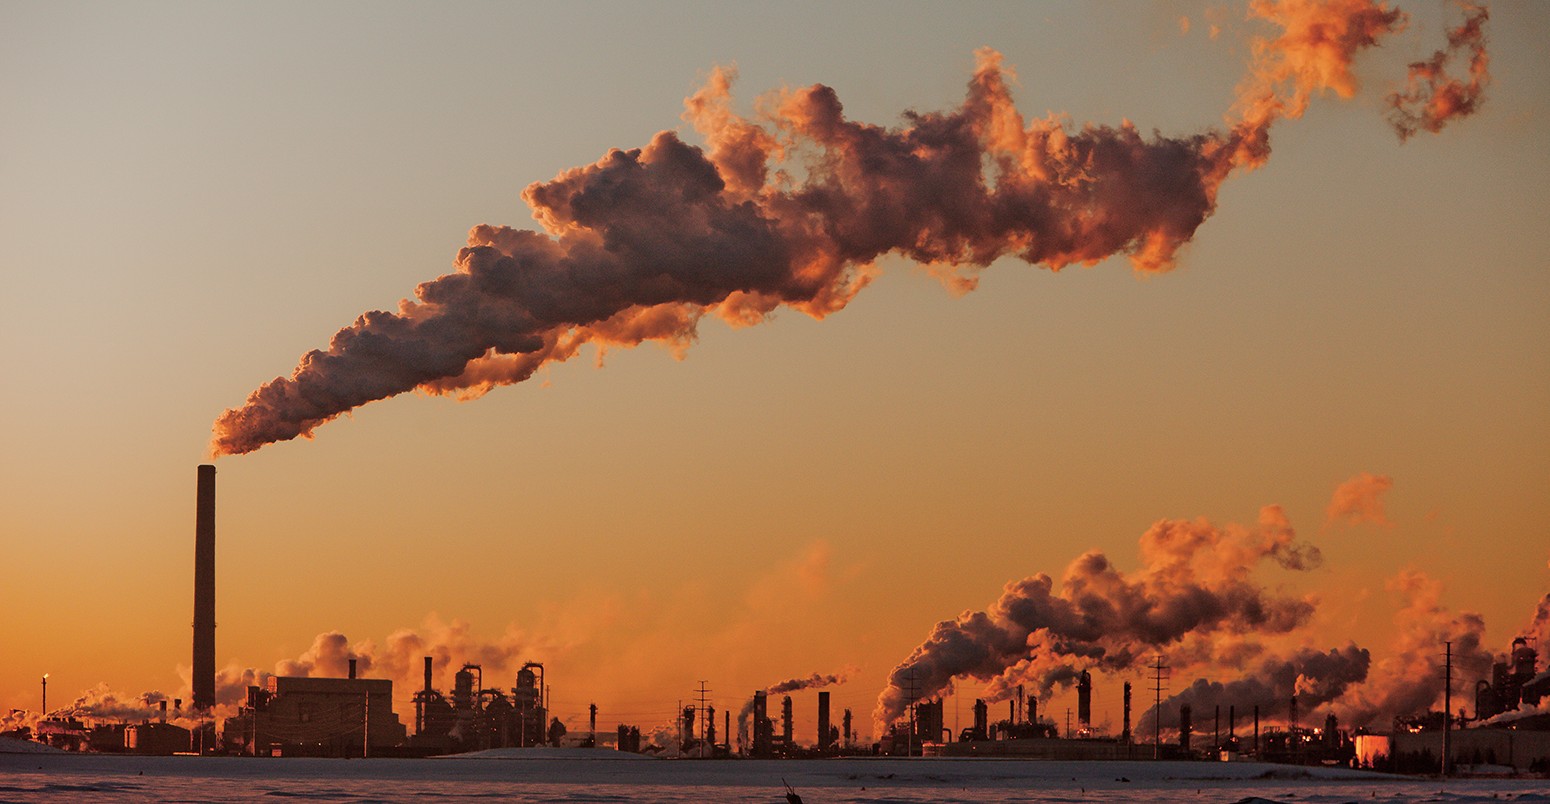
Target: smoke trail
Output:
{"points": [[1315, 678], [1431, 96], [644, 243], [813, 681], [1196, 580], [1359, 499]]}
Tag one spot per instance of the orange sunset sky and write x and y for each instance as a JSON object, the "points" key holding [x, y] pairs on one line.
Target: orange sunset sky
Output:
{"points": [[193, 195]]}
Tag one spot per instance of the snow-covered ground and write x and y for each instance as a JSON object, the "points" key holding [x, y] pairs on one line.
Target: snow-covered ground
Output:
{"points": [[602, 776], [11, 745]]}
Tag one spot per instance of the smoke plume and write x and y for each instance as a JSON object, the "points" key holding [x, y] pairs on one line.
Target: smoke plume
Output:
{"points": [[793, 210], [1315, 678], [1538, 631], [813, 681], [1432, 96], [400, 658], [1196, 580], [1409, 679], [1359, 499]]}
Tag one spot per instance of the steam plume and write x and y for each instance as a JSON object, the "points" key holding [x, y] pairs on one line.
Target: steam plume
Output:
{"points": [[1432, 96], [1538, 630], [793, 210], [1315, 678], [813, 681], [1196, 580], [1360, 499], [1409, 678]]}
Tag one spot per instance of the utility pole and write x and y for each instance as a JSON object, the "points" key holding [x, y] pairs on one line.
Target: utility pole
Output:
{"points": [[366, 729], [1447, 709], [1158, 677], [702, 717], [909, 739]]}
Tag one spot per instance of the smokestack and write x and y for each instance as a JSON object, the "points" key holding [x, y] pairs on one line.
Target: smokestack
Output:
{"points": [[164, 710], [1125, 735], [427, 674], [1084, 700], [1033, 709], [785, 720], [1185, 727], [823, 721], [352, 668], [204, 589]]}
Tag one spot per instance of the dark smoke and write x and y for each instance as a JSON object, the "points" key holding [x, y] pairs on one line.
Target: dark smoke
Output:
{"points": [[1432, 96], [1196, 581], [644, 243], [1315, 678]]}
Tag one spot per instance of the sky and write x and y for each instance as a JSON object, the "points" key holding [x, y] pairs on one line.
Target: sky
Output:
{"points": [[193, 195]]}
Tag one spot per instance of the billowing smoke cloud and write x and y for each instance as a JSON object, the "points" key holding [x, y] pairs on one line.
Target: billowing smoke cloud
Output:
{"points": [[1195, 581], [793, 210], [1315, 678], [813, 681], [400, 658], [102, 703], [1359, 500], [1408, 680], [1432, 96], [1538, 631]]}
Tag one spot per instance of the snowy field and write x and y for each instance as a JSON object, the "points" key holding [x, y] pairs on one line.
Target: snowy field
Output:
{"points": [[610, 776]]}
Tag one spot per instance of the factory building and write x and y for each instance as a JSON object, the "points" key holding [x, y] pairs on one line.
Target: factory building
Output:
{"points": [[1513, 683], [156, 738], [476, 717], [319, 717]]}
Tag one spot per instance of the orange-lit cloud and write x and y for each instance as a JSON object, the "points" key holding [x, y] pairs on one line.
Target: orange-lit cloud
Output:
{"points": [[1432, 95], [1408, 679], [793, 209], [1360, 500]]}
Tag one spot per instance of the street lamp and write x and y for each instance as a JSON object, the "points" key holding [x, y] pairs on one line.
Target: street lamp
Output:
{"points": [[45, 694]]}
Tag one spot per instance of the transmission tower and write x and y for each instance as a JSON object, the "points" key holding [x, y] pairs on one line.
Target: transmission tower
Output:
{"points": [[1447, 708], [703, 693], [1159, 683]]}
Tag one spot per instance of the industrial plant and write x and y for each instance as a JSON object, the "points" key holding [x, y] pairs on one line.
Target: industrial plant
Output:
{"points": [[307, 715]]}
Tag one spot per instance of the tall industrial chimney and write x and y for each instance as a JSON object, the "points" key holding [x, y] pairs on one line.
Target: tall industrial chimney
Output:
{"points": [[1124, 735], [204, 590], [1084, 700], [823, 722]]}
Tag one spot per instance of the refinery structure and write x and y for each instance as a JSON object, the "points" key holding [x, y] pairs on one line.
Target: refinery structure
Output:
{"points": [[283, 716]]}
